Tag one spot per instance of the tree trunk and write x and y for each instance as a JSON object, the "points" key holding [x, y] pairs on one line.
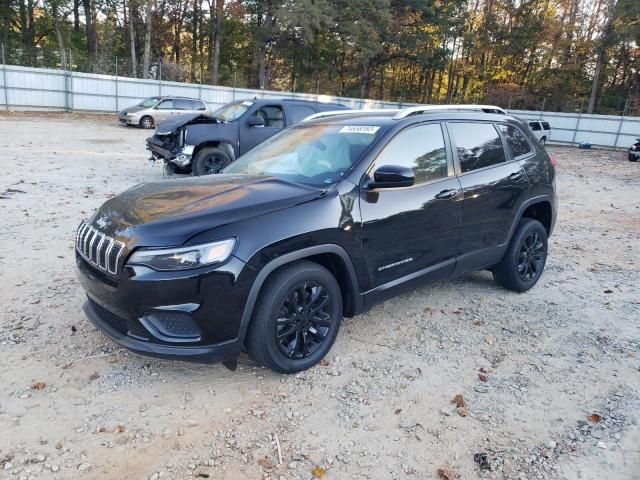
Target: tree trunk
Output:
{"points": [[602, 56], [56, 22], [132, 44], [90, 27], [147, 40], [217, 35]]}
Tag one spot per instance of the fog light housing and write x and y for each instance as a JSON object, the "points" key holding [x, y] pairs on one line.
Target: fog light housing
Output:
{"points": [[173, 327]]}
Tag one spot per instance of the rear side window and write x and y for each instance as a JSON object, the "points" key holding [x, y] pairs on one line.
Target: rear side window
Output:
{"points": [[300, 112], [516, 141], [535, 126], [478, 145], [198, 105], [546, 126], [420, 148], [179, 104]]}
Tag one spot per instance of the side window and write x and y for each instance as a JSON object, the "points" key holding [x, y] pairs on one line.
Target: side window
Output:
{"points": [[478, 145], [420, 148], [165, 105], [272, 116], [300, 112], [516, 140], [198, 105], [535, 126], [180, 104], [546, 126]]}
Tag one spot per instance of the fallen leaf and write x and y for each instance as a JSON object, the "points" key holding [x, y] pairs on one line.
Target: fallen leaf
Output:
{"points": [[462, 411], [266, 462], [594, 418], [445, 474], [94, 376], [397, 411], [483, 378], [119, 429], [102, 429], [317, 472], [482, 460], [484, 370], [112, 358], [324, 362], [430, 310], [458, 400], [73, 329], [38, 386], [608, 290], [203, 475]]}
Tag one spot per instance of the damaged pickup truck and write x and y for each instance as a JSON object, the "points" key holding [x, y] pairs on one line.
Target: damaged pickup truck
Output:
{"points": [[205, 144]]}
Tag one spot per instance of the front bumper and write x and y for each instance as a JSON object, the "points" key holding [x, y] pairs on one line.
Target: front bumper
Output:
{"points": [[191, 315], [634, 153], [128, 119]]}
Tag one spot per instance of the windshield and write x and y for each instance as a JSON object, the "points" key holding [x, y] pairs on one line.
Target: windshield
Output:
{"points": [[232, 111], [149, 102], [317, 155]]}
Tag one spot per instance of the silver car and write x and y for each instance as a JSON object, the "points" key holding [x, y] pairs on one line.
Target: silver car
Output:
{"points": [[153, 110]]}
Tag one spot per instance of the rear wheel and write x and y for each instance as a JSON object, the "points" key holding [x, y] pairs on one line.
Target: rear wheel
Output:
{"points": [[526, 256], [296, 319], [543, 140], [210, 160], [146, 122], [633, 158]]}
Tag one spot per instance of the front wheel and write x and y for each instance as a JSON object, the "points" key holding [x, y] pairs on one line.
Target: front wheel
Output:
{"points": [[633, 158], [146, 122], [526, 256], [210, 160], [297, 318]]}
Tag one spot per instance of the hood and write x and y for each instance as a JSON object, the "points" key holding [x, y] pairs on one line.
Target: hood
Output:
{"points": [[176, 121], [169, 213], [134, 109]]}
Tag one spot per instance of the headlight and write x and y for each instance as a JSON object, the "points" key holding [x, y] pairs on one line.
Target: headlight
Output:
{"points": [[183, 258]]}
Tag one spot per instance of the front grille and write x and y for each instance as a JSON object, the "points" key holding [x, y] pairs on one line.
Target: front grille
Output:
{"points": [[98, 249]]}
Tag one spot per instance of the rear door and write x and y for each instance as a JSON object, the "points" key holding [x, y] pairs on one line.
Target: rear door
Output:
{"points": [[412, 232], [493, 186], [298, 112], [274, 121]]}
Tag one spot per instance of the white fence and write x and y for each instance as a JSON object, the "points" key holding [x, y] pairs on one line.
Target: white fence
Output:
{"points": [[38, 88]]}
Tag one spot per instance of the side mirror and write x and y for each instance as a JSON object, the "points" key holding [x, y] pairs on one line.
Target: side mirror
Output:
{"points": [[392, 176], [255, 121]]}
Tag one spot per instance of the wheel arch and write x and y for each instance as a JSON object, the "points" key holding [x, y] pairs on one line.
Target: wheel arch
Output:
{"points": [[333, 257], [538, 208], [223, 144]]}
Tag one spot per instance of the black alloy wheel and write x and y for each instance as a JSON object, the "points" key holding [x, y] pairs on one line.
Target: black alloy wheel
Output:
{"points": [[531, 257], [304, 320], [296, 319], [209, 161]]}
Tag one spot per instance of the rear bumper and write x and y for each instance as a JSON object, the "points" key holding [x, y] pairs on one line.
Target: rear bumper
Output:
{"points": [[206, 353]]}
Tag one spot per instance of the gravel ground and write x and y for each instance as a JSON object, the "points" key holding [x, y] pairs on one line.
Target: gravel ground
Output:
{"points": [[549, 380]]}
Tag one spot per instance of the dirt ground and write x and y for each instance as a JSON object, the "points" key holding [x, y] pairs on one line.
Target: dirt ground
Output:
{"points": [[550, 379]]}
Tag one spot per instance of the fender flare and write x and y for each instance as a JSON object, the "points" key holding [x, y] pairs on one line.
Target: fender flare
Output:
{"points": [[526, 204], [291, 257]]}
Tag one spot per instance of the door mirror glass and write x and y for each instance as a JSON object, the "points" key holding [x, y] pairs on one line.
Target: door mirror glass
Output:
{"points": [[392, 176], [255, 121]]}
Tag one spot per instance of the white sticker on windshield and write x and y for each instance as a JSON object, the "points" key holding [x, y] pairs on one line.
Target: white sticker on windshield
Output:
{"points": [[247, 103], [368, 129]]}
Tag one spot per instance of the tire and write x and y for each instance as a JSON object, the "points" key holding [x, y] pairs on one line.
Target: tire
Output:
{"points": [[543, 141], [526, 256], [146, 122], [209, 160], [278, 344], [633, 158]]}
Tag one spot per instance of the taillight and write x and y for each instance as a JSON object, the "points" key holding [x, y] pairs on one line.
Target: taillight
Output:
{"points": [[554, 161]]}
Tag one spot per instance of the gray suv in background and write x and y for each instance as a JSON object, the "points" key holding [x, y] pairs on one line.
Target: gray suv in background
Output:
{"points": [[153, 110]]}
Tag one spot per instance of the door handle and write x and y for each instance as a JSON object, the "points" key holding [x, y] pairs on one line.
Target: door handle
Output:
{"points": [[444, 194], [516, 175]]}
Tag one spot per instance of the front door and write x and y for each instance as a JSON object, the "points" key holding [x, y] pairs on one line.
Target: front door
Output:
{"points": [[493, 187], [250, 136], [163, 110], [411, 233]]}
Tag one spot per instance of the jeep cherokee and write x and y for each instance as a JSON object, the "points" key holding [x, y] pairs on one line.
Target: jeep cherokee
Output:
{"points": [[321, 221]]}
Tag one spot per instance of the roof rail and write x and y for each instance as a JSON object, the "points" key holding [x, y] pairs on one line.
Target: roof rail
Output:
{"points": [[333, 113], [431, 108]]}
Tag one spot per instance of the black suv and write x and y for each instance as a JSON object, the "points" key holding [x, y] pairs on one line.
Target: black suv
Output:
{"points": [[321, 221], [204, 144]]}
